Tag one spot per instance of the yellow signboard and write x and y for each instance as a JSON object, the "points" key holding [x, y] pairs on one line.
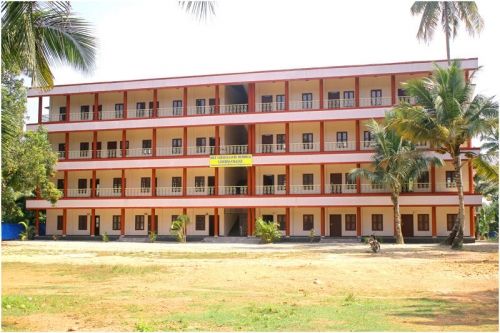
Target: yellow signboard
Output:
{"points": [[228, 161]]}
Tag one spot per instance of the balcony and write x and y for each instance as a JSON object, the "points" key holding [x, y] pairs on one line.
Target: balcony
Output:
{"points": [[340, 188], [340, 146], [233, 190], [271, 190], [271, 148], [200, 190], [304, 147], [168, 191], [305, 189]]}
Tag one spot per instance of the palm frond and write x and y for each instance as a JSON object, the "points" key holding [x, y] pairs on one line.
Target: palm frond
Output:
{"points": [[200, 9]]}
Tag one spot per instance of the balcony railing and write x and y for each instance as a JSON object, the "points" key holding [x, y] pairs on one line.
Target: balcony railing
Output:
{"points": [[340, 145], [140, 152], [109, 153], [340, 188], [341, 103], [233, 190], [270, 189], [201, 110], [169, 151], [201, 150], [367, 145], [270, 107], [200, 190], [108, 192], [305, 189], [375, 101], [271, 148], [138, 192], [416, 187], [79, 192], [140, 113], [170, 112], [234, 149], [407, 99], [304, 146], [374, 188], [233, 108], [168, 191], [304, 105]]}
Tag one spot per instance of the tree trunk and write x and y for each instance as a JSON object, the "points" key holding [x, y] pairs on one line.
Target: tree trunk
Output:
{"points": [[456, 237], [447, 32], [397, 219]]}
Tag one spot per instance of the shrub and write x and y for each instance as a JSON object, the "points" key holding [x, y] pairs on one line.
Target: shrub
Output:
{"points": [[28, 233], [311, 235], [153, 236], [267, 231], [105, 237], [178, 227]]}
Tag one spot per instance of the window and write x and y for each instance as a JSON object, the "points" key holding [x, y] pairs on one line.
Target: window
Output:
{"points": [[201, 145], [117, 185], [450, 221], [423, 180], [139, 222], [82, 185], [333, 99], [145, 184], [84, 112], [119, 110], [350, 222], [200, 106], [82, 222], [307, 141], [60, 222], [308, 181], [450, 179], [177, 107], [341, 140], [423, 222], [367, 139], [84, 149], [268, 218], [146, 147], [176, 184], [61, 148], [281, 183], [280, 102], [62, 113], [60, 184], [140, 109], [307, 100], [177, 146], [267, 103], [280, 142], [307, 222], [377, 222], [281, 221], [116, 222], [199, 184], [348, 99], [200, 222], [376, 97]]}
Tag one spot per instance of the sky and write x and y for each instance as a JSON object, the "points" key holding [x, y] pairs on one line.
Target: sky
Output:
{"points": [[154, 39]]}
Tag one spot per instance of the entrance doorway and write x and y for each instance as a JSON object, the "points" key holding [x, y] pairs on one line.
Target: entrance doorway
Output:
{"points": [[335, 225], [211, 225], [407, 225], [97, 225], [268, 181]]}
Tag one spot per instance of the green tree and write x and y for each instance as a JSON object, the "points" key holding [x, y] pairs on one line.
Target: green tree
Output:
{"points": [[448, 14], [267, 231], [178, 227], [395, 163], [448, 116]]}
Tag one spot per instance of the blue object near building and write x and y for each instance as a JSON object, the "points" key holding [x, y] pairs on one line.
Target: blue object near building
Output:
{"points": [[11, 231], [492, 234], [42, 229]]}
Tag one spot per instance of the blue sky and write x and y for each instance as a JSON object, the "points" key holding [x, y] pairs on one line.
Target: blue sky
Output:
{"points": [[145, 39]]}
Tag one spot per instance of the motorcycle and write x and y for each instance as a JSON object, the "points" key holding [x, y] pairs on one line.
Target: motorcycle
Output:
{"points": [[375, 245]]}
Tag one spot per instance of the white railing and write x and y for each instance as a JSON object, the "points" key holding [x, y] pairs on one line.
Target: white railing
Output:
{"points": [[270, 107], [304, 105], [305, 189], [139, 152], [201, 150], [201, 110], [109, 153], [46, 118], [198, 190], [233, 108], [108, 192], [233, 190], [340, 145], [110, 114], [340, 188], [375, 101], [140, 113], [270, 189], [367, 145], [169, 151], [170, 112], [417, 187], [79, 192], [340, 103], [138, 192], [61, 155], [450, 184], [301, 147], [407, 99], [82, 116], [234, 149], [271, 148], [80, 154], [374, 188], [168, 191]]}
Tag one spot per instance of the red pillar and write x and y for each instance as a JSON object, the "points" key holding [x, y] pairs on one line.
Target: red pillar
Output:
{"points": [[287, 223], [94, 145], [92, 223], [393, 89], [287, 95], [68, 108], [251, 97], [217, 99], [216, 222], [122, 222], [40, 108], [472, 222], [322, 179], [66, 145], [153, 220], [185, 141], [249, 181], [184, 181], [321, 136], [356, 92], [65, 221], [184, 101], [433, 178], [153, 182], [96, 106], [124, 143], [471, 179], [37, 222], [65, 191], [154, 142], [321, 93], [287, 179], [93, 194], [322, 221], [124, 185], [434, 222], [125, 106], [358, 180], [155, 102], [216, 174], [358, 136], [217, 140], [287, 137], [358, 221]]}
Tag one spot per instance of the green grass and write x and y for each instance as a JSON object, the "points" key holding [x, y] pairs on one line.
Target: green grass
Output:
{"points": [[22, 305]]}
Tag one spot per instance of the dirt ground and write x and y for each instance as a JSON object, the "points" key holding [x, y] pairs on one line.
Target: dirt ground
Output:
{"points": [[193, 276]]}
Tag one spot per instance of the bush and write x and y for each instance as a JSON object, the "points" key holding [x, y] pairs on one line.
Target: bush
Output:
{"points": [[178, 227], [105, 237], [267, 231], [28, 233], [153, 236]]}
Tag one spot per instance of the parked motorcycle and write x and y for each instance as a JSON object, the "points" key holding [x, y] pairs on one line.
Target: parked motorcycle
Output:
{"points": [[375, 245]]}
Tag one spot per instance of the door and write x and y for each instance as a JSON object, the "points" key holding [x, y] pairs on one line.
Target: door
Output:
{"points": [[211, 143], [407, 225], [211, 225], [97, 225], [149, 224], [268, 182], [111, 147], [336, 182], [211, 184], [267, 143], [335, 225]]}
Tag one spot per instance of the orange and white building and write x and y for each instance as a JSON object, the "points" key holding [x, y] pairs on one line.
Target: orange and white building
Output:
{"points": [[130, 150]]}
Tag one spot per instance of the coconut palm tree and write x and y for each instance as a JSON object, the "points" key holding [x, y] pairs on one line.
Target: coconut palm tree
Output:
{"points": [[39, 34], [395, 162], [486, 164], [448, 116], [200, 9], [448, 14]]}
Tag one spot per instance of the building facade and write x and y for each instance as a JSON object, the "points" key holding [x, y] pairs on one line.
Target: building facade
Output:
{"points": [[131, 150]]}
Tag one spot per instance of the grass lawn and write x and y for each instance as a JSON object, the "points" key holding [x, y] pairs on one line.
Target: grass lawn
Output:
{"points": [[71, 285]]}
